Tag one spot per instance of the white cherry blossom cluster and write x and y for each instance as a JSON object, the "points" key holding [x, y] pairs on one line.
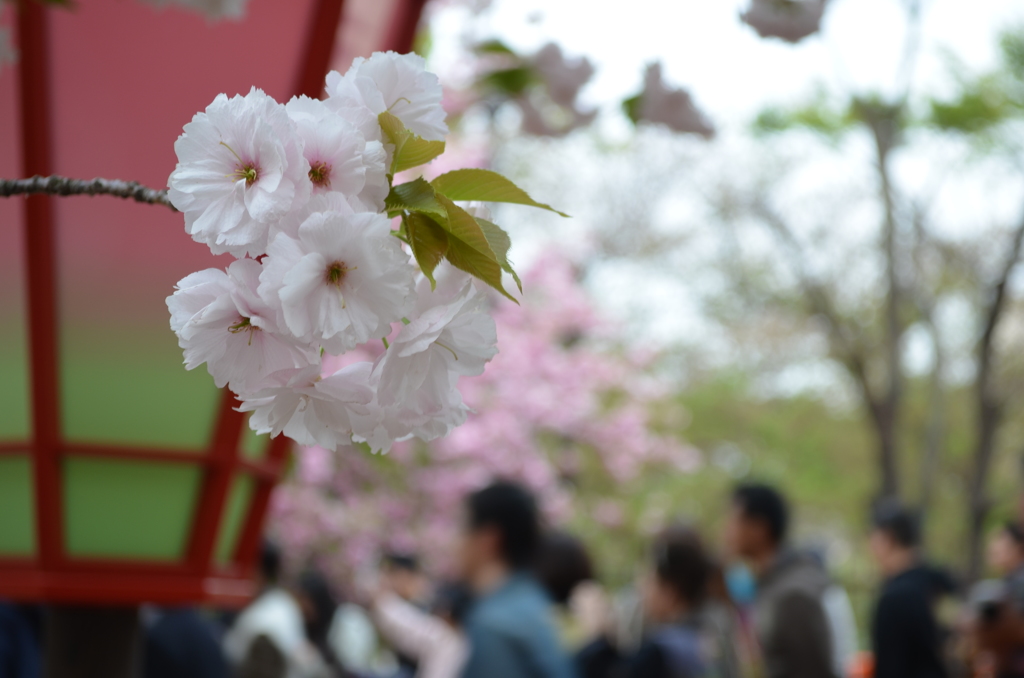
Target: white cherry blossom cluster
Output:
{"points": [[296, 193]]}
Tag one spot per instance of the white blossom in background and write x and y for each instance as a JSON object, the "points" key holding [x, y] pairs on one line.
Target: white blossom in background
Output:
{"points": [[673, 108], [221, 321], [790, 20], [240, 167], [340, 158], [311, 409], [213, 9], [341, 282], [396, 83], [563, 77]]}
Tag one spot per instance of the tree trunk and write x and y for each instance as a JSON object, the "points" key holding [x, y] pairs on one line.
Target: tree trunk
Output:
{"points": [[935, 429], [989, 418], [92, 642]]}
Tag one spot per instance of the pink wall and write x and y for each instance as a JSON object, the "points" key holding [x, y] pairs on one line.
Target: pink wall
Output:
{"points": [[126, 78]]}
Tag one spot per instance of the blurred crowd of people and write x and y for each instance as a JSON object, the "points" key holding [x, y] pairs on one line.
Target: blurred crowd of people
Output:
{"points": [[524, 602]]}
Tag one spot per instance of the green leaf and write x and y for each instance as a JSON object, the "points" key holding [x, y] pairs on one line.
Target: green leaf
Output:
{"points": [[631, 107], [410, 150], [500, 244], [414, 196], [509, 81], [981, 105], [486, 186], [429, 243], [493, 47], [468, 249]]}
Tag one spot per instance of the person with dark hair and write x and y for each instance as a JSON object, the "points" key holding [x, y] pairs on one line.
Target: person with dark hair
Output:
{"points": [[680, 640], [181, 641], [789, 615], [268, 638], [509, 626], [562, 564], [997, 628], [904, 632]]}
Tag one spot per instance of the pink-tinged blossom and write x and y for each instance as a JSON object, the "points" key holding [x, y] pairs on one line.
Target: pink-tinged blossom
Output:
{"points": [[310, 409], [220, 320], [341, 282], [396, 83], [448, 338], [550, 408], [340, 159], [673, 108], [240, 167], [790, 20]]}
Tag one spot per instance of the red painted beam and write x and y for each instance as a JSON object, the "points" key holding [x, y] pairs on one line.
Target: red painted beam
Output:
{"points": [[41, 259], [223, 454], [128, 588], [324, 23], [405, 23], [252, 529]]}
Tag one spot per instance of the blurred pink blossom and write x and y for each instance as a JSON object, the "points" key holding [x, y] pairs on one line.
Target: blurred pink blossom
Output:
{"points": [[552, 398], [790, 20]]}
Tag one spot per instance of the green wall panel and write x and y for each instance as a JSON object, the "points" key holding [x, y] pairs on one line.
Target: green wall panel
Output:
{"points": [[253, 447], [129, 387], [234, 512], [17, 515], [14, 391], [128, 508]]}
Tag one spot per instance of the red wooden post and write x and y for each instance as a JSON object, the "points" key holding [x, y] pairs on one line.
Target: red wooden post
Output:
{"points": [[40, 253]]}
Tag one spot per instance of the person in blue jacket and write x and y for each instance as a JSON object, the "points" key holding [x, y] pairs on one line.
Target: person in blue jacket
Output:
{"points": [[509, 626]]}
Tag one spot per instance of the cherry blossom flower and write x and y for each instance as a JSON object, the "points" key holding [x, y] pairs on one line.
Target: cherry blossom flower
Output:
{"points": [[341, 282], [240, 167], [673, 108], [397, 83], [220, 320], [564, 77], [790, 20], [340, 159], [541, 414], [310, 409], [443, 342]]}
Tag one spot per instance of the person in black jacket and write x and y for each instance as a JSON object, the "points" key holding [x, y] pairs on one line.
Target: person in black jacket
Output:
{"points": [[680, 640], [904, 632]]}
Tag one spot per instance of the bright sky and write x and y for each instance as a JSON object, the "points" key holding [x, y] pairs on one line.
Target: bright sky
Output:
{"points": [[731, 72]]}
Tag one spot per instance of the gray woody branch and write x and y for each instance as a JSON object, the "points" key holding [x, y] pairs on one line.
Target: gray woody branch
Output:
{"points": [[129, 190]]}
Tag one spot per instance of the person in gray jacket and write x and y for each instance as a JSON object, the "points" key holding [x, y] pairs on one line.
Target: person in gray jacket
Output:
{"points": [[790, 619]]}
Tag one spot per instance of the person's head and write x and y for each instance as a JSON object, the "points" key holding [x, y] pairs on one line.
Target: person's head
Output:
{"points": [[1006, 549], [268, 572], [502, 528], [562, 564], [758, 522], [678, 578], [318, 604], [402, 574], [895, 537]]}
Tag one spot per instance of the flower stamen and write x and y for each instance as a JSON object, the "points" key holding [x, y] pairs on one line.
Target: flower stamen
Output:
{"points": [[243, 170], [244, 325], [320, 174], [448, 348], [336, 273]]}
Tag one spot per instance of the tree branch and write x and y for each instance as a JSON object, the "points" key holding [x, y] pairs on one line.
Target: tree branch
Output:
{"points": [[55, 185]]}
